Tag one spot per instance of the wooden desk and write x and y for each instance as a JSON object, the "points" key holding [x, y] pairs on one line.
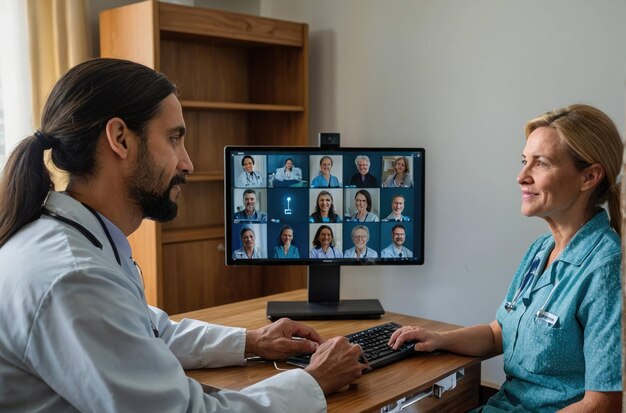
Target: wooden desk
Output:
{"points": [[376, 389]]}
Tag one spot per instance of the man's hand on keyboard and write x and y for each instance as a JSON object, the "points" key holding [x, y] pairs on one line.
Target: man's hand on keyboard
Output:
{"points": [[335, 364], [425, 340], [276, 341]]}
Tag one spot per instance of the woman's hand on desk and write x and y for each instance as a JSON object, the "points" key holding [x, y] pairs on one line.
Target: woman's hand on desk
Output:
{"points": [[335, 364], [425, 340], [276, 341]]}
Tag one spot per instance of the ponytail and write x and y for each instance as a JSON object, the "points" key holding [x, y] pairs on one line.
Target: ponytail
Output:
{"points": [[24, 186], [610, 196]]}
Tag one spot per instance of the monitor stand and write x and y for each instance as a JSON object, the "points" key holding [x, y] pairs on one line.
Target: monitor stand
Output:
{"points": [[324, 302]]}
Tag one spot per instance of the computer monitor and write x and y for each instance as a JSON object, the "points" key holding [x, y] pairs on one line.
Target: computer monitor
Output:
{"points": [[324, 207]]}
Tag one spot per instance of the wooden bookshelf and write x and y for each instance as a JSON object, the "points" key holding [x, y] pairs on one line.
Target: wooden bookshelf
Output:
{"points": [[243, 81]]}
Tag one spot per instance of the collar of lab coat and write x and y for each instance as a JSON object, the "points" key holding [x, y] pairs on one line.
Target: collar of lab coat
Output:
{"points": [[63, 204]]}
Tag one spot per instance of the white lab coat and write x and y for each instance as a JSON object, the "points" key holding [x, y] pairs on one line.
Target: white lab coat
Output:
{"points": [[250, 180], [77, 334], [283, 175]]}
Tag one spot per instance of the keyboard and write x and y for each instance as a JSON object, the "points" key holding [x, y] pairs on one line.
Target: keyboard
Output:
{"points": [[373, 341]]}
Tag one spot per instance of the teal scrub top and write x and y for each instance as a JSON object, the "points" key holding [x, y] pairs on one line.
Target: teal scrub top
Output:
{"points": [[321, 182], [551, 361], [292, 252]]}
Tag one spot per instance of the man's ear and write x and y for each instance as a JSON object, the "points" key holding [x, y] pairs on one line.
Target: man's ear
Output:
{"points": [[118, 134], [592, 176]]}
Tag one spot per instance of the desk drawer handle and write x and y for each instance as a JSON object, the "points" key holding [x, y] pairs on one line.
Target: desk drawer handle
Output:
{"points": [[437, 391]]}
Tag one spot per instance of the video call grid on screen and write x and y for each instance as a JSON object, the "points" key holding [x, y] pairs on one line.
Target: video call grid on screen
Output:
{"points": [[276, 193]]}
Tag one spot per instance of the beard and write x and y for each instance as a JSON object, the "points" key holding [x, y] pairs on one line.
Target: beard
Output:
{"points": [[154, 204]]}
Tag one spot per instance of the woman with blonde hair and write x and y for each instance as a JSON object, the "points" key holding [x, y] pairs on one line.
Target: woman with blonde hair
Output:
{"points": [[559, 324], [400, 178]]}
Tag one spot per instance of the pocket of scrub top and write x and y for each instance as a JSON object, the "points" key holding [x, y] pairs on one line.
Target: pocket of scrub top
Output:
{"points": [[545, 348]]}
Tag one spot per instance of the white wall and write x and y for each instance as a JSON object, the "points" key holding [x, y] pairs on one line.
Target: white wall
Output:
{"points": [[460, 79]]}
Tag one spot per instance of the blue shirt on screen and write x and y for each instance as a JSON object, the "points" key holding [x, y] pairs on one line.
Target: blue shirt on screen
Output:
{"points": [[257, 216], [321, 182], [279, 252], [402, 218], [392, 252], [318, 218], [550, 364], [332, 252], [368, 253]]}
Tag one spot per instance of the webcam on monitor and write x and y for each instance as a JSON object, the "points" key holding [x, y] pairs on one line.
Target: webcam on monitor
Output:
{"points": [[329, 139]]}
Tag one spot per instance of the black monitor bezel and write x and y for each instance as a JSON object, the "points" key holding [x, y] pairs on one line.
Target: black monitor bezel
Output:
{"points": [[229, 181]]}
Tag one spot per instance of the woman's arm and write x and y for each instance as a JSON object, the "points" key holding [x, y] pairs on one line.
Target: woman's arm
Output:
{"points": [[297, 173], [483, 340], [280, 174]]}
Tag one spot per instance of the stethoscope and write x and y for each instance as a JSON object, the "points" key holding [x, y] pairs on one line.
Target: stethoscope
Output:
{"points": [[330, 179], [542, 313], [511, 305], [253, 177], [356, 216], [326, 254], [401, 182], [92, 238]]}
